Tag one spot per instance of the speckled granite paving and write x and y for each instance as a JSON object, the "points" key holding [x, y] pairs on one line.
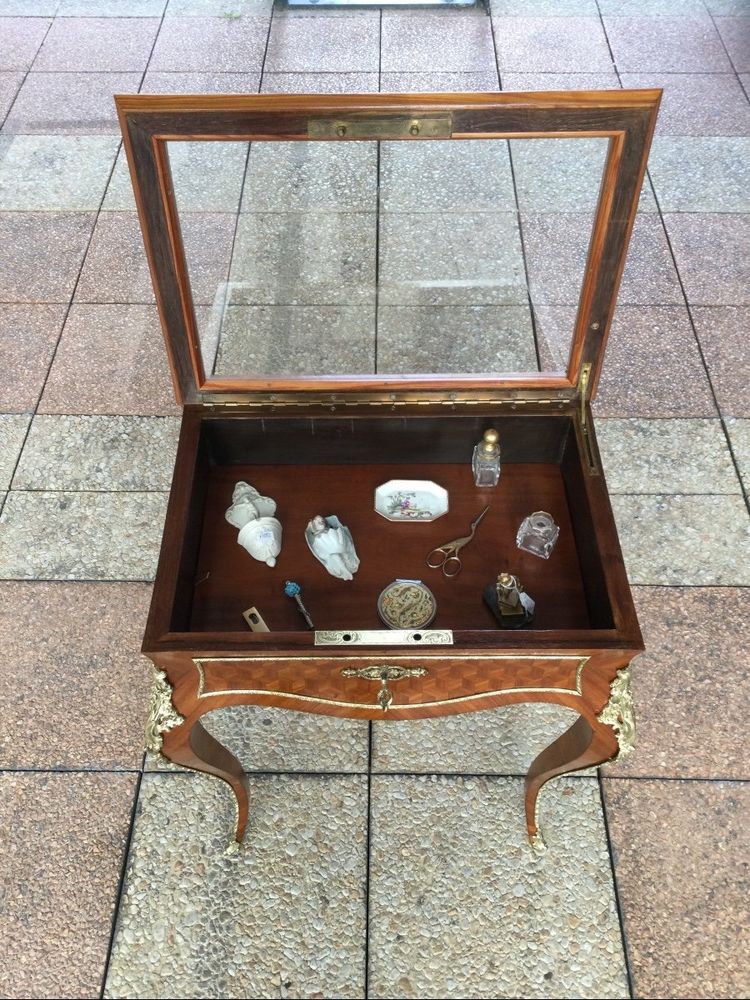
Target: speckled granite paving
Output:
{"points": [[381, 861]]}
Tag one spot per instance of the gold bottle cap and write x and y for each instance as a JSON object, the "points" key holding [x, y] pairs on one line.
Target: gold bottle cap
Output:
{"points": [[491, 438]]}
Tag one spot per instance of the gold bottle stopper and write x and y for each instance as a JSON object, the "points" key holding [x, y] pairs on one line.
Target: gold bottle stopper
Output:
{"points": [[490, 440]]}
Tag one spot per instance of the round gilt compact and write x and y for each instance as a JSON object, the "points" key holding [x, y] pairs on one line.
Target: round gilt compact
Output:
{"points": [[407, 604]]}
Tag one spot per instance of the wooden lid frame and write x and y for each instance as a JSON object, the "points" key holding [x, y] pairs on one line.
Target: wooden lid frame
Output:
{"points": [[625, 117]]}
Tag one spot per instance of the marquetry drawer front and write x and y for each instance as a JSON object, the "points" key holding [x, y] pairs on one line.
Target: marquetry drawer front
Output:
{"points": [[385, 683]]}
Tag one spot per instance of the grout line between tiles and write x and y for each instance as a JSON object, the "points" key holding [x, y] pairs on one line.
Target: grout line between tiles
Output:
{"points": [[26, 72], [121, 883], [615, 887]]}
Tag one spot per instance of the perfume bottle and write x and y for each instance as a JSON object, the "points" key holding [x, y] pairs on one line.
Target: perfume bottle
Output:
{"points": [[485, 462]]}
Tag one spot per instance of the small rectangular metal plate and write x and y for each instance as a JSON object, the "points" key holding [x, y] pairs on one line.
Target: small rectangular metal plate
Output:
{"points": [[419, 127], [254, 619], [386, 637]]}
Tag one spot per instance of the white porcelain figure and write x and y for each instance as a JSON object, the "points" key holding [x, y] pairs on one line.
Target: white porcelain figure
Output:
{"points": [[260, 531], [331, 543]]}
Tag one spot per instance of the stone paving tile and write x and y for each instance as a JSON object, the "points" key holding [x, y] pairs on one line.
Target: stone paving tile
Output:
{"points": [[111, 359], [709, 104], [550, 44], [320, 83], [116, 268], [207, 177], [698, 541], [543, 8], [450, 259], [13, 428], [710, 250], [681, 852], [434, 339], [439, 83], [48, 249], [28, 335], [502, 741], [556, 246], [739, 436], [52, 173], [9, 86], [211, 44], [344, 337], [300, 259], [218, 8], [69, 103], [460, 907], [324, 44], [275, 739], [290, 908], [94, 536], [602, 80], [632, 385], [22, 37], [722, 332], [554, 175], [417, 42], [666, 456], [666, 44], [469, 176], [724, 7], [98, 453], [701, 174], [691, 674], [311, 177], [156, 82], [106, 44], [68, 702], [63, 838], [28, 8], [735, 33], [677, 8], [111, 8]]}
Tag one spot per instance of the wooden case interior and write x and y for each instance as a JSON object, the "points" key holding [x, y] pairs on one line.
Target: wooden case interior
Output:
{"points": [[332, 465]]}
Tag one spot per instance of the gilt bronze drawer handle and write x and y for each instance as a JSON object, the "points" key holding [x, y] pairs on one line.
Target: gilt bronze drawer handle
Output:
{"points": [[386, 672]]}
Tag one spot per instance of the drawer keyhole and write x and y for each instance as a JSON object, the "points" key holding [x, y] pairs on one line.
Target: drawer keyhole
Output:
{"points": [[384, 673]]}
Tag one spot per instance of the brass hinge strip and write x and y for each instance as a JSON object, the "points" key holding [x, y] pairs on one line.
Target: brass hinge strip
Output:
{"points": [[583, 385], [332, 404]]}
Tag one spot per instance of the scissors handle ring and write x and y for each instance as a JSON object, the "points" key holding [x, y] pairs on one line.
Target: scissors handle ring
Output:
{"points": [[442, 556], [451, 559]]}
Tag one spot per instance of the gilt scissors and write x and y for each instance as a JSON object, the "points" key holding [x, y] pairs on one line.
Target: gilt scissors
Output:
{"points": [[447, 555]]}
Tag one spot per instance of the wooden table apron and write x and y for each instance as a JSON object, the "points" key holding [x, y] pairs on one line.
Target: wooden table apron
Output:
{"points": [[593, 683]]}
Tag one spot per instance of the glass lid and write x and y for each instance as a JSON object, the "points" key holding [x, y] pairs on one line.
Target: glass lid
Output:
{"points": [[417, 245]]}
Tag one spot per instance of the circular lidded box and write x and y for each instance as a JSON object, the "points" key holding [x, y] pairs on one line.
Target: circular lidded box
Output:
{"points": [[407, 604]]}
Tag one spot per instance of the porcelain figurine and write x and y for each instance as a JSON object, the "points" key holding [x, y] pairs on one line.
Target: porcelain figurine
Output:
{"points": [[259, 530], [331, 543]]}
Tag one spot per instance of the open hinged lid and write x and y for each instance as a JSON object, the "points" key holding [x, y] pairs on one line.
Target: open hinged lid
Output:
{"points": [[385, 248]]}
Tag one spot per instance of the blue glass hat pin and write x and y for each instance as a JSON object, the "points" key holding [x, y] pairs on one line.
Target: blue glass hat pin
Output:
{"points": [[293, 590]]}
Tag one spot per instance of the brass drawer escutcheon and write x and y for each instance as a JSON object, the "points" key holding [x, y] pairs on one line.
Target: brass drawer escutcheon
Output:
{"points": [[386, 672]]}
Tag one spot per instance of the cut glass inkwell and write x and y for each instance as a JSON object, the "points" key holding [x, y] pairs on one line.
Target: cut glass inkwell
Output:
{"points": [[538, 534]]}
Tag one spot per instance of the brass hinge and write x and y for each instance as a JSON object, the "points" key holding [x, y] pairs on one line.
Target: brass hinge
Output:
{"points": [[583, 388]]}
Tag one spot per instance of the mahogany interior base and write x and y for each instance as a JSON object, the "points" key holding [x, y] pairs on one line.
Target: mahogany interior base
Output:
{"points": [[230, 580]]}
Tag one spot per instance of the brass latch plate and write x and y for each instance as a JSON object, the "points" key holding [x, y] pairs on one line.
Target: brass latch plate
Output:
{"points": [[404, 127]]}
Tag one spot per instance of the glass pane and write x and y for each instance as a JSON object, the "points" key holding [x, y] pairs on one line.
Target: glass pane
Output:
{"points": [[362, 258]]}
